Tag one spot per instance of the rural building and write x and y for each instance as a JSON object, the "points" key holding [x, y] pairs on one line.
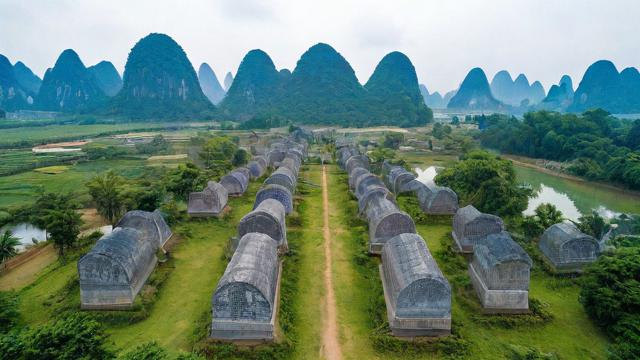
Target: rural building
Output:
{"points": [[385, 222], [500, 272], [567, 249], [276, 192], [244, 304], [209, 202], [417, 295], [471, 226], [268, 218]]}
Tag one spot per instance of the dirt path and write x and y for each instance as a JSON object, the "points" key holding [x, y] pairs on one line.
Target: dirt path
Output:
{"points": [[330, 344]]}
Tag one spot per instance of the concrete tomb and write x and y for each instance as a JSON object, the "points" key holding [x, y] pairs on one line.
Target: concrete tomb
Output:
{"points": [[268, 218], [500, 272], [209, 202], [236, 183], [276, 192], [417, 294], [567, 249], [471, 226], [245, 301], [385, 222]]}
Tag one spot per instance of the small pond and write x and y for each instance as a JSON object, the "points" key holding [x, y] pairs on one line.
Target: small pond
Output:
{"points": [[26, 233]]}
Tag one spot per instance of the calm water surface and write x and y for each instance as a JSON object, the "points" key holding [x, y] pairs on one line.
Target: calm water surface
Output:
{"points": [[575, 198], [26, 233]]}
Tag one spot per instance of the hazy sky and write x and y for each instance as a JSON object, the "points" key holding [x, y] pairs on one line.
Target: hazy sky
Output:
{"points": [[445, 39]]}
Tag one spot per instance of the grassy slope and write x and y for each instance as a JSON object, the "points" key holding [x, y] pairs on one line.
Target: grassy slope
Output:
{"points": [[308, 309]]}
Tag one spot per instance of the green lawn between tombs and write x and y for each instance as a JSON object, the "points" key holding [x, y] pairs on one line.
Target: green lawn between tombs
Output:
{"points": [[181, 314], [570, 334]]}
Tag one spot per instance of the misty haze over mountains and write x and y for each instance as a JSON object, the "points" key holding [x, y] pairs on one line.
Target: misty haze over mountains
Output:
{"points": [[160, 82]]}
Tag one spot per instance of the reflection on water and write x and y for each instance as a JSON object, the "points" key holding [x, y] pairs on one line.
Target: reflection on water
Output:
{"points": [[26, 233], [575, 198], [427, 175], [560, 200]]}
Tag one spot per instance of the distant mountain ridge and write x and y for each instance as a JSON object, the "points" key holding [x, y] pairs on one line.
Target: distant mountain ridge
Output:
{"points": [[29, 81], [107, 77], [516, 92], [209, 84], [159, 82], [69, 87], [435, 100], [394, 86], [602, 86], [474, 93], [254, 89], [12, 95]]}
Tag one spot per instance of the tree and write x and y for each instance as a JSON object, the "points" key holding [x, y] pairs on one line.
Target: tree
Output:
{"points": [[392, 140], [185, 179], [8, 246], [51, 201], [486, 181], [240, 157], [593, 224], [379, 155], [77, 336], [610, 294], [544, 216], [107, 192], [217, 152], [147, 351], [63, 227]]}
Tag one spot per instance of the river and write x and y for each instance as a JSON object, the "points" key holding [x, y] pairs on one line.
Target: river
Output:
{"points": [[573, 198]]}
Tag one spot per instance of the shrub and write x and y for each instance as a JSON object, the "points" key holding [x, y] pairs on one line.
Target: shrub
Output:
{"points": [[9, 314], [77, 336], [148, 351], [610, 294]]}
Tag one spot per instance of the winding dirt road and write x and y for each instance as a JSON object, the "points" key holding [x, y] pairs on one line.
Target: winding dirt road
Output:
{"points": [[330, 344]]}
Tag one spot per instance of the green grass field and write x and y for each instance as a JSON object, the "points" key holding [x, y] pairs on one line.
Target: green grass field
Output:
{"points": [[53, 133], [22, 188]]}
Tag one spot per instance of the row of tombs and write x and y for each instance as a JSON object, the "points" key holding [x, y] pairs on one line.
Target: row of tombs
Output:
{"points": [[245, 300], [417, 295], [114, 271]]}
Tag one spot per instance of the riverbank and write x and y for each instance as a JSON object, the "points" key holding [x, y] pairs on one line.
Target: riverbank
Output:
{"points": [[530, 163]]}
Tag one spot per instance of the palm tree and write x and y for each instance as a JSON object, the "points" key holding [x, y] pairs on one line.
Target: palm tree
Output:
{"points": [[106, 191], [8, 245]]}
